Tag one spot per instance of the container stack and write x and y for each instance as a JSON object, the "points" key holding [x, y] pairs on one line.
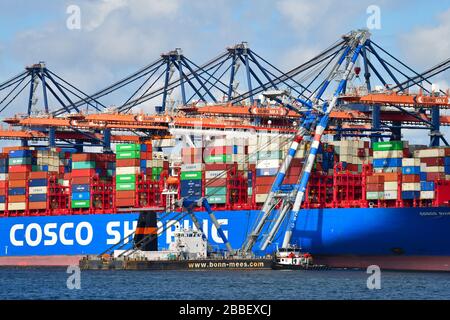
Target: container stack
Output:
{"points": [[387, 156], [20, 165], [268, 156], [86, 167], [158, 164], [352, 153], [38, 190], [131, 161], [51, 160], [191, 180], [411, 170], [3, 179], [434, 165]]}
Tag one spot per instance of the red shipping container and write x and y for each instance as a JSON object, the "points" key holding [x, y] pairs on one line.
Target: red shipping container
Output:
{"points": [[295, 162], [81, 180], [2, 184], [20, 168], [83, 173], [216, 182], [83, 157], [3, 156], [375, 187], [433, 161], [262, 189], [291, 179], [38, 175], [125, 202], [2, 191], [128, 163], [67, 176], [264, 181], [432, 176], [18, 183], [375, 179], [18, 175], [217, 166], [37, 205], [411, 178], [125, 194]]}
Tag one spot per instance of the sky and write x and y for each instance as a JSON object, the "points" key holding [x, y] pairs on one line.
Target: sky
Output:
{"points": [[117, 37]]}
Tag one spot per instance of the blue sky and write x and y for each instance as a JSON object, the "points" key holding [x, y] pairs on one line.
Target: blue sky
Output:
{"points": [[119, 36]]}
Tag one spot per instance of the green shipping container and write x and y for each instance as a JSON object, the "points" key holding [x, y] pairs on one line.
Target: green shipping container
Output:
{"points": [[216, 191], [270, 155], [19, 161], [249, 191], [128, 147], [83, 165], [156, 171], [388, 145], [125, 186], [191, 175], [217, 199], [128, 154], [221, 158], [81, 204], [125, 178], [374, 195]]}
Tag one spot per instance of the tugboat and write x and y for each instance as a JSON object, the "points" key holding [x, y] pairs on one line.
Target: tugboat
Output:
{"points": [[292, 258]]}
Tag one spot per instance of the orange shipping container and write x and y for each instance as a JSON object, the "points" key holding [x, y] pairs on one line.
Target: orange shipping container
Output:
{"points": [[81, 180], [39, 175], [18, 183], [37, 205], [411, 178], [17, 198], [129, 202], [125, 194], [18, 176], [264, 181]]}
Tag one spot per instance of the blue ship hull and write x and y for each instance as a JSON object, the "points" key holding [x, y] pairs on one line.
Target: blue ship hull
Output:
{"points": [[400, 238]]}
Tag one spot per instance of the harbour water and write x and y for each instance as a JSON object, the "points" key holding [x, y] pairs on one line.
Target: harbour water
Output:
{"points": [[51, 283]]}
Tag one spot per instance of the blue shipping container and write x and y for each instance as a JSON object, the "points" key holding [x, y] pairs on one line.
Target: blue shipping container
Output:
{"points": [[266, 172], [16, 191], [41, 197], [20, 153], [447, 169], [81, 196], [2, 199], [190, 184], [447, 161], [80, 188], [37, 183], [387, 162], [427, 186], [410, 170], [423, 176], [408, 195], [190, 192]]}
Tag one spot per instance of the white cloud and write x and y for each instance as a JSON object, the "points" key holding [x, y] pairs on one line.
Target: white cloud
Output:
{"points": [[421, 41]]}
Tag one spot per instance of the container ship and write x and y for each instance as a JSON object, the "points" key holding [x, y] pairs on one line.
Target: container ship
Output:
{"points": [[332, 173]]}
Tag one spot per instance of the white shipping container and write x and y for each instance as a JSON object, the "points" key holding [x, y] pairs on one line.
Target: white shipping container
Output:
{"points": [[387, 170], [17, 206], [3, 176], [426, 194], [410, 162], [161, 143], [267, 164], [2, 207], [128, 170], [390, 195], [37, 190], [66, 183], [192, 167], [411, 186], [429, 153], [261, 197], [440, 169], [391, 186], [215, 174], [388, 154]]}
